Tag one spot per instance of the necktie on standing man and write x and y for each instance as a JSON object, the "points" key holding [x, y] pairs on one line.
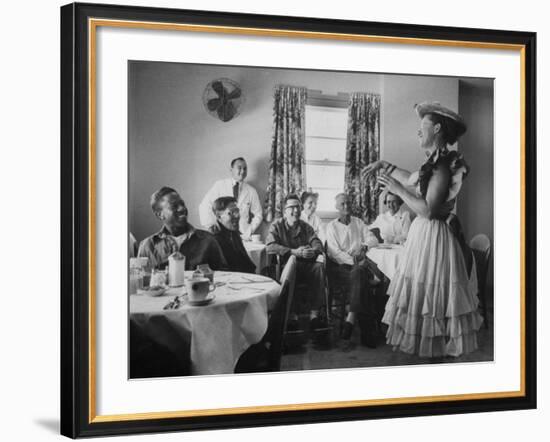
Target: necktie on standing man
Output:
{"points": [[236, 191]]}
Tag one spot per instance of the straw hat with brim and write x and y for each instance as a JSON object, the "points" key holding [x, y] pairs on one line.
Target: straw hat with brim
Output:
{"points": [[436, 108]]}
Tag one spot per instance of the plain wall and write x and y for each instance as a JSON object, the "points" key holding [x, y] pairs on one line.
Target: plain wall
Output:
{"points": [[475, 202], [400, 135], [175, 142]]}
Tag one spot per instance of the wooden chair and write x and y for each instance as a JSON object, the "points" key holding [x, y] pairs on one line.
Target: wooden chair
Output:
{"points": [[266, 355], [338, 290], [299, 337], [481, 248]]}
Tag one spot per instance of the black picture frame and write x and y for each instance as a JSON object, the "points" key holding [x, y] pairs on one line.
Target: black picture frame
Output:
{"points": [[77, 419]]}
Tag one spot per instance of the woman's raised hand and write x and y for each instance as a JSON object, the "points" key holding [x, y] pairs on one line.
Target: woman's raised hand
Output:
{"points": [[388, 183], [372, 168]]}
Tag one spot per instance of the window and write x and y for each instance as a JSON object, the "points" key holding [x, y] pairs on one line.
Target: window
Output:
{"points": [[325, 154]]}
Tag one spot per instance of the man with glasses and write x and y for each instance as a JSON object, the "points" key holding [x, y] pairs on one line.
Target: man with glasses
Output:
{"points": [[292, 236], [228, 237]]}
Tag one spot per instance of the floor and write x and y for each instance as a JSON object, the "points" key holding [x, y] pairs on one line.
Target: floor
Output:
{"points": [[313, 357]]}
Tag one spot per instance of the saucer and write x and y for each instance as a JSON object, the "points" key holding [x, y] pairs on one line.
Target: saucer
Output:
{"points": [[204, 301]]}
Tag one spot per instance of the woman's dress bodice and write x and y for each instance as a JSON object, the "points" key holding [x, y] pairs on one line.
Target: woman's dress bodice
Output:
{"points": [[441, 158]]}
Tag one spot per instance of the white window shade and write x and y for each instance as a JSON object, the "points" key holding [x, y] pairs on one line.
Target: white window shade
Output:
{"points": [[325, 154]]}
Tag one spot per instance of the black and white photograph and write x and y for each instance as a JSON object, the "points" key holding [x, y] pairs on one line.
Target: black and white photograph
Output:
{"points": [[275, 221], [283, 220]]}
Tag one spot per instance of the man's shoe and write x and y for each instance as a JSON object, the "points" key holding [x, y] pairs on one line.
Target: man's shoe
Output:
{"points": [[345, 343], [320, 333]]}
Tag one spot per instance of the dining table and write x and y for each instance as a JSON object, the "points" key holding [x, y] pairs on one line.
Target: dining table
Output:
{"points": [[211, 336], [387, 257]]}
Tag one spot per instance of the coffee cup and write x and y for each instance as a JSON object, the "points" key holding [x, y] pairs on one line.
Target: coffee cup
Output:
{"points": [[198, 288]]}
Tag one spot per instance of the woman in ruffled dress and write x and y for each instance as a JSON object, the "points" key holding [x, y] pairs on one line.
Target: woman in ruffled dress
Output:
{"points": [[432, 309]]}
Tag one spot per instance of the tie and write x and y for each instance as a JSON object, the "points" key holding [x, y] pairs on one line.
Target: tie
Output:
{"points": [[236, 191]]}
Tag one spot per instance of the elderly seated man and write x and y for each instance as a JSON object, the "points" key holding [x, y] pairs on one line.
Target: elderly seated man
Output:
{"points": [[392, 226], [228, 236], [177, 235], [292, 236], [346, 238]]}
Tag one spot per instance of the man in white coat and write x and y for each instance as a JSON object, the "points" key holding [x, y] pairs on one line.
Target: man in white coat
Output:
{"points": [[248, 202]]}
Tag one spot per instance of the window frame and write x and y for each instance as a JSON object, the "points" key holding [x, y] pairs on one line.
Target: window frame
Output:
{"points": [[316, 99]]}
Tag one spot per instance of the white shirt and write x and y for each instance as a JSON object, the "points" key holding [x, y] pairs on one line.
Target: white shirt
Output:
{"points": [[248, 203], [314, 221], [343, 241], [396, 226]]}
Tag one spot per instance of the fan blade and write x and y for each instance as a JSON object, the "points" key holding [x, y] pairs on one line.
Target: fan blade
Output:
{"points": [[213, 104], [217, 86], [226, 112], [235, 93]]}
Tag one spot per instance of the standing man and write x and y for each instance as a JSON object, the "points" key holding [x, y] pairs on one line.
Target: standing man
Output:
{"points": [[246, 196], [177, 235], [227, 235]]}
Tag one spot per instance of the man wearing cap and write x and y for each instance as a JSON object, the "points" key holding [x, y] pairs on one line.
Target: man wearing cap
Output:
{"points": [[292, 236], [246, 196]]}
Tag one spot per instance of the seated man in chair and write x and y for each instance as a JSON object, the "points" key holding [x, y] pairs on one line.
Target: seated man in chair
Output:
{"points": [[228, 236], [346, 237], [392, 226], [178, 235], [292, 236]]}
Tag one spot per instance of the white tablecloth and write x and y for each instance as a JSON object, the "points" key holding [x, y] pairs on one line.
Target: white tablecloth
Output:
{"points": [[387, 258], [257, 254], [217, 334]]}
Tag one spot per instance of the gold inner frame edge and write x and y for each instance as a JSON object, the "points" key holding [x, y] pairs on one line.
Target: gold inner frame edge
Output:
{"points": [[93, 24]]}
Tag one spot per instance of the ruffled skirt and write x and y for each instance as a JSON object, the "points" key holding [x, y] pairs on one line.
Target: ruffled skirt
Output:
{"points": [[432, 309]]}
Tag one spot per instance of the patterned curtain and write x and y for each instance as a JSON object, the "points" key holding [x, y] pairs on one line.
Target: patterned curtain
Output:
{"points": [[287, 162], [362, 148]]}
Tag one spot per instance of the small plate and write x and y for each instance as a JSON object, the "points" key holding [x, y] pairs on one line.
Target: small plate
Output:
{"points": [[204, 301]]}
